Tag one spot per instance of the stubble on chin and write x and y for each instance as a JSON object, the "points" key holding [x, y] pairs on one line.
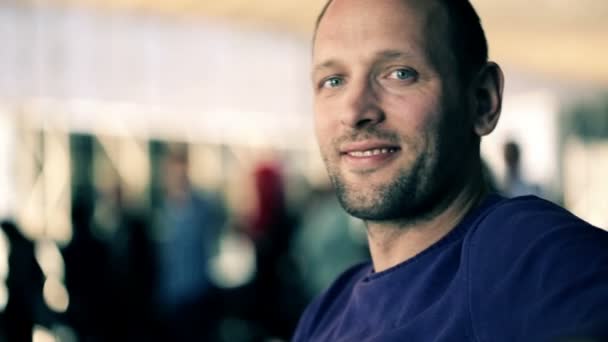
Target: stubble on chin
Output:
{"points": [[396, 200]]}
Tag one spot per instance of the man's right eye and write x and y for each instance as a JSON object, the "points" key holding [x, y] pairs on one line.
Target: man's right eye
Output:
{"points": [[333, 82]]}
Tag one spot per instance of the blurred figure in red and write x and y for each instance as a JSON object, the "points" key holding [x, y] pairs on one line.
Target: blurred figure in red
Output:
{"points": [[270, 227], [270, 197]]}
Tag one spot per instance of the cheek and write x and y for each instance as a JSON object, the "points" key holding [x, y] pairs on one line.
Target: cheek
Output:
{"points": [[325, 122], [414, 115], [323, 130]]}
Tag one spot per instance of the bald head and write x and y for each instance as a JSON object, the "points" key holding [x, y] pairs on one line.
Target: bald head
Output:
{"points": [[451, 23]]}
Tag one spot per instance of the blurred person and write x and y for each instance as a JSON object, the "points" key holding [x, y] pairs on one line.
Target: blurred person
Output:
{"points": [[130, 260], [403, 93], [87, 273], [271, 227], [25, 306], [515, 184], [108, 267], [190, 225]]}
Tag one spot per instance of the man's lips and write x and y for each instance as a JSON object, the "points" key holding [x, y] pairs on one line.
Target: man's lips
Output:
{"points": [[366, 149], [368, 155]]}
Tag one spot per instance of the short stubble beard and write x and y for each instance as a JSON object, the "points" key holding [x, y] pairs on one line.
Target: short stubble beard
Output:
{"points": [[411, 196], [417, 193]]}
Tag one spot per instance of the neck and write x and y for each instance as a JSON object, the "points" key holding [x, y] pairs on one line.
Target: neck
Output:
{"points": [[392, 243]]}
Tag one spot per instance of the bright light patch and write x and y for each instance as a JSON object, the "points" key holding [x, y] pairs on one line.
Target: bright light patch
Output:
{"points": [[530, 119], [4, 295], [5, 250], [56, 185], [50, 260], [4, 268], [585, 184], [41, 334], [235, 264], [55, 295]]}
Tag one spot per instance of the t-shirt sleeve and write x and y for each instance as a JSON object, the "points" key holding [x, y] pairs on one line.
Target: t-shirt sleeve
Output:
{"points": [[537, 273]]}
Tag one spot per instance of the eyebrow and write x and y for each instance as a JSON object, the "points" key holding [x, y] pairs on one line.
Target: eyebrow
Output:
{"points": [[384, 55], [325, 65], [393, 54]]}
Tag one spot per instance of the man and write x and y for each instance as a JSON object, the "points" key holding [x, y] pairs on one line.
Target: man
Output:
{"points": [[189, 229], [403, 94]]}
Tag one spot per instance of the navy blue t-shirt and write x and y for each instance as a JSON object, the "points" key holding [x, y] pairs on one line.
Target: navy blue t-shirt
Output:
{"points": [[518, 269]]}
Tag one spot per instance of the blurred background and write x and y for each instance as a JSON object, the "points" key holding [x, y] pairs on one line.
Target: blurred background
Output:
{"points": [[160, 178]]}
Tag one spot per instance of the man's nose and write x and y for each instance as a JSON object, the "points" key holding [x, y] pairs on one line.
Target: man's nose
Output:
{"points": [[362, 106]]}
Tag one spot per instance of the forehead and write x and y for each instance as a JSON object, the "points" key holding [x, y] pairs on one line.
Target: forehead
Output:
{"points": [[366, 25]]}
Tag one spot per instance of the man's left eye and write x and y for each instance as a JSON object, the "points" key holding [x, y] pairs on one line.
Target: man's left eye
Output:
{"points": [[403, 74]]}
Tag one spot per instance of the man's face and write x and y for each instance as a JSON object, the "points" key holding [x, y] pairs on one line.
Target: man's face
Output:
{"points": [[386, 112]]}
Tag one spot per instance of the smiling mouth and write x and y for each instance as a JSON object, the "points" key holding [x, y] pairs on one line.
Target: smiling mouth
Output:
{"points": [[372, 152]]}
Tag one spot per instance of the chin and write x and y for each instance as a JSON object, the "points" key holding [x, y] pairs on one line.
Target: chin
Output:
{"points": [[373, 204], [407, 198]]}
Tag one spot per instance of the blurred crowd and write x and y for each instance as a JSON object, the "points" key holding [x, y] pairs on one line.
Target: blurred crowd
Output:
{"points": [[187, 266]]}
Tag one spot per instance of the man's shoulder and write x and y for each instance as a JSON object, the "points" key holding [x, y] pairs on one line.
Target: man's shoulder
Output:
{"points": [[337, 293], [512, 228], [536, 267], [525, 205], [522, 218]]}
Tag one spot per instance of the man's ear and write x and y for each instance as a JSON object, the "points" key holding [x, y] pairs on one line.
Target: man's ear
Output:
{"points": [[488, 89]]}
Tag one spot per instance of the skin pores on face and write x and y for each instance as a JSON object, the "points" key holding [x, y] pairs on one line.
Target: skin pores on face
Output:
{"points": [[386, 117]]}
